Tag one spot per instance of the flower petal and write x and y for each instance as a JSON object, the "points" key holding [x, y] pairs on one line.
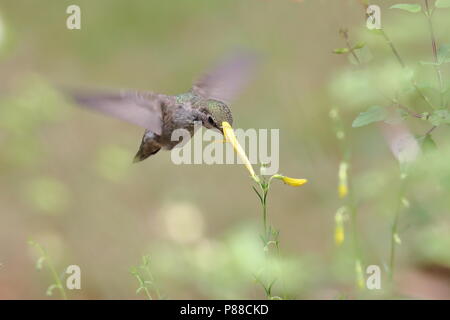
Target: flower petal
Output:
{"points": [[294, 182], [291, 181], [231, 137]]}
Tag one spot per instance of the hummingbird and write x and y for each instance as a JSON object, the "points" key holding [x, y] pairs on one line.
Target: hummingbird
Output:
{"points": [[206, 102]]}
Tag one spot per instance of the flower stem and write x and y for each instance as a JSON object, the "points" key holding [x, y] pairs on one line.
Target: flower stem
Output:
{"points": [[51, 267], [147, 293], [344, 34], [394, 229], [437, 67], [394, 50], [403, 65], [264, 205]]}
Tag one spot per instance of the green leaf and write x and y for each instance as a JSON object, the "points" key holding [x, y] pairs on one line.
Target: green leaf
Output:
{"points": [[359, 45], [413, 8], [50, 289], [259, 196], [340, 50], [373, 114], [439, 117], [443, 54], [40, 263], [427, 144], [442, 4]]}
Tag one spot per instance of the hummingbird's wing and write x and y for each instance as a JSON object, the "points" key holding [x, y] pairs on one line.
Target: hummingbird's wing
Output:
{"points": [[226, 81], [137, 107]]}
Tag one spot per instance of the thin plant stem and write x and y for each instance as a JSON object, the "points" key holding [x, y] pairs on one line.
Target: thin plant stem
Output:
{"points": [[344, 34], [145, 284], [349, 201], [394, 229], [142, 284], [410, 112], [403, 65], [147, 293], [437, 67], [51, 267], [394, 50], [264, 205], [150, 275], [431, 130], [352, 209], [422, 95], [269, 236]]}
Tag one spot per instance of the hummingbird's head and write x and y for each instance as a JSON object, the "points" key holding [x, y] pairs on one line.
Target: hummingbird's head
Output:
{"points": [[216, 112]]}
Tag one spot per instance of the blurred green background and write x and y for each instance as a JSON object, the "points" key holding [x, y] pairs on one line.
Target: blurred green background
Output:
{"points": [[67, 182]]}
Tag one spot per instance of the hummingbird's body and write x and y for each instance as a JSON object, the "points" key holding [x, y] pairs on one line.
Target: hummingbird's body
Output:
{"points": [[161, 114], [181, 112]]}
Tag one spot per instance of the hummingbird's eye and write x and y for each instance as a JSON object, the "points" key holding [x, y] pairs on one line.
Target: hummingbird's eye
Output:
{"points": [[211, 121]]}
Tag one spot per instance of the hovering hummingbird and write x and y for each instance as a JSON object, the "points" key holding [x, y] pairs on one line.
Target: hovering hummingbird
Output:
{"points": [[206, 102]]}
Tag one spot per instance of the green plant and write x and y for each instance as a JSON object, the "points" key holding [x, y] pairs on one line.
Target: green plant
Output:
{"points": [[348, 209], [270, 235], [144, 276], [405, 98], [44, 259]]}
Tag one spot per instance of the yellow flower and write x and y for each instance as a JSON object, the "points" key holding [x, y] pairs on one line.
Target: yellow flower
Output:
{"points": [[343, 190], [339, 235], [291, 181], [231, 137], [339, 231], [343, 182]]}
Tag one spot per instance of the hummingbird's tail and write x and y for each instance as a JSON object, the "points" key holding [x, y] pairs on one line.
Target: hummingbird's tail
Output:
{"points": [[148, 147]]}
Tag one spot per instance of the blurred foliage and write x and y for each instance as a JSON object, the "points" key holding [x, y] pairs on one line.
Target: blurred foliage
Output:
{"points": [[47, 195], [225, 267], [112, 162], [66, 177]]}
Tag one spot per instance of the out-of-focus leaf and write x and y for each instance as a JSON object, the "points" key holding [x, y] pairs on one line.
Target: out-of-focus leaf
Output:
{"points": [[113, 162], [35, 105], [413, 8], [341, 50], [427, 144], [373, 114], [439, 117], [433, 244], [442, 4], [50, 289], [346, 88], [390, 78], [40, 263], [359, 45], [47, 195], [407, 74], [429, 91], [443, 54]]}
